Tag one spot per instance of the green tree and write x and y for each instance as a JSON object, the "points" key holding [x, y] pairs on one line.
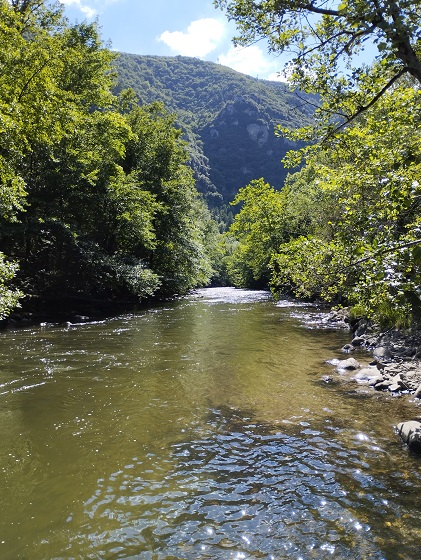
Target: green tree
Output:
{"points": [[369, 253], [255, 234], [156, 157], [325, 40]]}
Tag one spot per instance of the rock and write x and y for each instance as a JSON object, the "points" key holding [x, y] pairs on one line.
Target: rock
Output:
{"points": [[361, 328], [395, 387], [350, 364], [410, 433], [339, 317], [382, 352], [417, 393], [367, 374], [348, 348], [385, 384], [373, 381], [358, 341]]}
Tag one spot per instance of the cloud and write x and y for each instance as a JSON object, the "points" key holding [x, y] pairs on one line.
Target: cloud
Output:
{"points": [[278, 76], [201, 38], [252, 61], [84, 8]]}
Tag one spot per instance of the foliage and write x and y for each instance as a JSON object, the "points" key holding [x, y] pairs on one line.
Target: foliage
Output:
{"points": [[325, 41], [255, 234], [370, 253], [96, 197], [9, 298]]}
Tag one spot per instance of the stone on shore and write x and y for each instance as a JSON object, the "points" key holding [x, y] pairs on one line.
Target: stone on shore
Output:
{"points": [[382, 353], [410, 433], [349, 364], [369, 375], [358, 341]]}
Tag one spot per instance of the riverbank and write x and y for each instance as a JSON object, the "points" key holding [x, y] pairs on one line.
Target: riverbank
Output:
{"points": [[394, 365]]}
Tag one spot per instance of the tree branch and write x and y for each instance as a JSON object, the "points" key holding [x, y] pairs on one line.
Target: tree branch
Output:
{"points": [[364, 108], [385, 252]]}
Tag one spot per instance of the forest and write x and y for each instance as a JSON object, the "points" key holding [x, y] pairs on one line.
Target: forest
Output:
{"points": [[98, 201], [345, 228]]}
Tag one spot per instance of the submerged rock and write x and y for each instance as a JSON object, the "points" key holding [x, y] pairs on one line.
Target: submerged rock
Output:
{"points": [[410, 433]]}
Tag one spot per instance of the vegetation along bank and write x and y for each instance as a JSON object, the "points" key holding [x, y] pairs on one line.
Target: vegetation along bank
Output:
{"points": [[98, 186]]}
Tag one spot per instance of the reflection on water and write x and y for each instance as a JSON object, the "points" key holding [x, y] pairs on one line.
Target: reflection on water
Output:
{"points": [[198, 429]]}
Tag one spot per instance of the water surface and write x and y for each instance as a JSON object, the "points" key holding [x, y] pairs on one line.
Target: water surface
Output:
{"points": [[200, 429]]}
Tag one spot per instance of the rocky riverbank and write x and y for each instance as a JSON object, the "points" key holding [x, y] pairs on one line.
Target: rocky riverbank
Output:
{"points": [[393, 364]]}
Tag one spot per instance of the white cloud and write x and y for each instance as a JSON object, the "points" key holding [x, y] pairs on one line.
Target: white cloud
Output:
{"points": [[277, 77], [201, 38], [84, 8], [250, 60]]}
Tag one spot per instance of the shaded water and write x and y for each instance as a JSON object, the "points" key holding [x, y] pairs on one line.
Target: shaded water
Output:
{"points": [[201, 429]]}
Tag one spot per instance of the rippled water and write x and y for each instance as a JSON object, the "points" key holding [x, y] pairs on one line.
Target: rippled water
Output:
{"points": [[199, 429]]}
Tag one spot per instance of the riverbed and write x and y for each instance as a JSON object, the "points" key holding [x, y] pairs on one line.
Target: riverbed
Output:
{"points": [[203, 428]]}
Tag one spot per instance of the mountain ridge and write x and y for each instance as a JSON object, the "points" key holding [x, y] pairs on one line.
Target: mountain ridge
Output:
{"points": [[228, 118]]}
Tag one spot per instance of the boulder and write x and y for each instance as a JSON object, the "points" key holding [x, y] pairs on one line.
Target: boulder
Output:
{"points": [[417, 393], [410, 433], [358, 341], [349, 364], [361, 327], [385, 384], [382, 352]]}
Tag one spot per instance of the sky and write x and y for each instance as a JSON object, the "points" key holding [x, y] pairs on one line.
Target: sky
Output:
{"points": [[174, 27]]}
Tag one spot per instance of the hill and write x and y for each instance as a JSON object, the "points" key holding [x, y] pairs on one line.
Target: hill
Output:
{"points": [[228, 118]]}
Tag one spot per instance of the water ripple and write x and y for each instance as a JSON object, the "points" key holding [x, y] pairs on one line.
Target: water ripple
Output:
{"points": [[232, 494]]}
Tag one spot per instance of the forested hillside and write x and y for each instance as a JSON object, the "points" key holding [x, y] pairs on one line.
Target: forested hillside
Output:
{"points": [[229, 118]]}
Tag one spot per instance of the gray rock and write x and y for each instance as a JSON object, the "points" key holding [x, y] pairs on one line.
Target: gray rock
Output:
{"points": [[361, 328], [350, 364], [385, 384], [358, 341], [382, 352], [417, 393], [348, 348], [410, 433], [395, 387], [373, 381], [366, 374]]}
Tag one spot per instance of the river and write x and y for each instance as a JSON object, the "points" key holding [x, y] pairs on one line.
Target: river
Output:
{"points": [[199, 429]]}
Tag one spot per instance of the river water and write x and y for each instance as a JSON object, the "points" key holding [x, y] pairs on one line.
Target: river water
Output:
{"points": [[199, 429]]}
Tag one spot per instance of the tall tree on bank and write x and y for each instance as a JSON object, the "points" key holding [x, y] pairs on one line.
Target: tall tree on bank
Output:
{"points": [[324, 39], [96, 199]]}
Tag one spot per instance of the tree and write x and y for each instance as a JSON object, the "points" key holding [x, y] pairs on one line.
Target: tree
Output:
{"points": [[156, 156], [325, 39], [256, 233], [369, 252]]}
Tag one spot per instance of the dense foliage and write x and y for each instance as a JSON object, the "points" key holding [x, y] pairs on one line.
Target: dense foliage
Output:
{"points": [[96, 197], [349, 219]]}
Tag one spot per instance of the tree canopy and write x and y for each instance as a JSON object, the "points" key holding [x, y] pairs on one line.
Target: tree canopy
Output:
{"points": [[96, 198], [325, 40]]}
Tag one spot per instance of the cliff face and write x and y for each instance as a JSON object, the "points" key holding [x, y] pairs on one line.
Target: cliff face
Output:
{"points": [[228, 118], [240, 145]]}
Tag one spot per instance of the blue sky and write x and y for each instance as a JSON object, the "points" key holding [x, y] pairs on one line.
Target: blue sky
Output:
{"points": [[171, 27]]}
